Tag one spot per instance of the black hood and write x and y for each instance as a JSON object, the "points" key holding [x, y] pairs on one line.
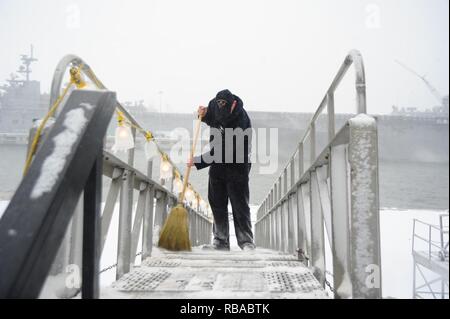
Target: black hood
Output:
{"points": [[223, 115]]}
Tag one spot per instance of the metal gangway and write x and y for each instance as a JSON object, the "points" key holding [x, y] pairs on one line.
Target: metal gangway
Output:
{"points": [[55, 219]]}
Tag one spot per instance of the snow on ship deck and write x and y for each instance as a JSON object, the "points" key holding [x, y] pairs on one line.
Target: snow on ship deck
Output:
{"points": [[215, 274]]}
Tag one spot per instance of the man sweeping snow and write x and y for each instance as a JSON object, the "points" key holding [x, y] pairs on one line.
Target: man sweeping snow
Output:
{"points": [[228, 159]]}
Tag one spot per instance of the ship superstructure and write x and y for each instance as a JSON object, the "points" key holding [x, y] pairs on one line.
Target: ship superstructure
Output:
{"points": [[21, 100]]}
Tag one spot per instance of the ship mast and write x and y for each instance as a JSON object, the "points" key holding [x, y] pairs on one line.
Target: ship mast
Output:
{"points": [[26, 62]]}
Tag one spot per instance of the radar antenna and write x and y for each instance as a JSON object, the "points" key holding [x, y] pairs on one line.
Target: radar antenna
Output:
{"points": [[26, 62]]}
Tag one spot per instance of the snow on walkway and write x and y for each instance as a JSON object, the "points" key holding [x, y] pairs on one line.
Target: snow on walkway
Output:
{"points": [[210, 274]]}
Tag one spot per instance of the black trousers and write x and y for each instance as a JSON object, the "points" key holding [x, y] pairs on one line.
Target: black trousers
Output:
{"points": [[236, 189]]}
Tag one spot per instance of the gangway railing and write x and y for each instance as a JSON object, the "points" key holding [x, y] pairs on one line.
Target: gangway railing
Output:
{"points": [[200, 223], [434, 248], [338, 189], [34, 223], [430, 254], [65, 225]]}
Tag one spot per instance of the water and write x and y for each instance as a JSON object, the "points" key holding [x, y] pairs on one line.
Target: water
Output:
{"points": [[403, 185], [413, 185], [12, 160]]}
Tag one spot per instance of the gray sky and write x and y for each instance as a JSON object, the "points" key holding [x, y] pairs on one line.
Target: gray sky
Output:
{"points": [[277, 55]]}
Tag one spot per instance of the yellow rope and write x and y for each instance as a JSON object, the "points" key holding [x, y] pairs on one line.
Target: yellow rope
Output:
{"points": [[148, 136], [123, 119], [37, 135], [75, 79]]}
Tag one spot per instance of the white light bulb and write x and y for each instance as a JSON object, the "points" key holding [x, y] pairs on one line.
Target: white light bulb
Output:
{"points": [[190, 195], [150, 149], [165, 170], [165, 166], [123, 139], [123, 132]]}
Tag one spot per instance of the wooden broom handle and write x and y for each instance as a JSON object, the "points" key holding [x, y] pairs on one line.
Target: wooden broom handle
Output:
{"points": [[188, 170]]}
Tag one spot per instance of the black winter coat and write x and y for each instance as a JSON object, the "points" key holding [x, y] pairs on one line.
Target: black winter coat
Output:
{"points": [[240, 166]]}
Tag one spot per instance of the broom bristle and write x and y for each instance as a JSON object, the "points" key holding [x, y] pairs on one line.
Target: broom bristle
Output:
{"points": [[175, 232]]}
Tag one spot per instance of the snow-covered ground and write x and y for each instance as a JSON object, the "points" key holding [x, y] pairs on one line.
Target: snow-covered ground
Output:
{"points": [[396, 241]]}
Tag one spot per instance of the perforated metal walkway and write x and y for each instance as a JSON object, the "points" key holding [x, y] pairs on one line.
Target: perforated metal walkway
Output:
{"points": [[212, 274]]}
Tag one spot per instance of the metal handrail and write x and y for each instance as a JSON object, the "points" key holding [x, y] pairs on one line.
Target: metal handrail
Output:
{"points": [[427, 224], [74, 60], [354, 57], [141, 177], [27, 259], [201, 223], [58, 75], [337, 192], [147, 214], [29, 242], [440, 245], [303, 179]]}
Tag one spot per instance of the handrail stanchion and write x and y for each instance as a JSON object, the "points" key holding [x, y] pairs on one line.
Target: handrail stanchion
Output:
{"points": [[331, 119], [92, 230], [125, 225]]}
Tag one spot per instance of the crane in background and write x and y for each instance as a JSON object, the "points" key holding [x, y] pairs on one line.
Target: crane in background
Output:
{"points": [[443, 101]]}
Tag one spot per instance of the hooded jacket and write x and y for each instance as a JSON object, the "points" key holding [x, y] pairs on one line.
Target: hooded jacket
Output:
{"points": [[233, 142]]}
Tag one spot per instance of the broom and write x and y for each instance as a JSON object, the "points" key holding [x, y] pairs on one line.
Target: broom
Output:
{"points": [[175, 232]]}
